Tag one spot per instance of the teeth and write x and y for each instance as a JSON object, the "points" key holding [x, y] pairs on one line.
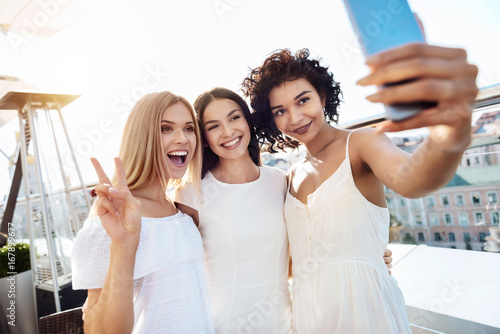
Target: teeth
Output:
{"points": [[232, 142], [178, 153]]}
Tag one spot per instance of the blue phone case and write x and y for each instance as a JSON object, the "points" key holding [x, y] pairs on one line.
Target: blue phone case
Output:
{"points": [[385, 24]]}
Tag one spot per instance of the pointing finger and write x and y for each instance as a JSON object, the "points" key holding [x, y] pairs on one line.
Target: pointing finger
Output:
{"points": [[120, 172], [103, 178]]}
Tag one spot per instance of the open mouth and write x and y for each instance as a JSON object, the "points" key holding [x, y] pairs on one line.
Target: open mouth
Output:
{"points": [[178, 157], [231, 143]]}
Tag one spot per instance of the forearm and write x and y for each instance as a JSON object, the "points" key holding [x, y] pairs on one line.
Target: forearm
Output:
{"points": [[114, 311], [432, 165]]}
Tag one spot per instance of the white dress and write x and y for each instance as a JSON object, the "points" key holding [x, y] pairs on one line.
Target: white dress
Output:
{"points": [[340, 281], [246, 252], [170, 291]]}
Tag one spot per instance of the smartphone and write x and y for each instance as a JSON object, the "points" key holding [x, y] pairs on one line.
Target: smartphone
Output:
{"points": [[385, 24]]}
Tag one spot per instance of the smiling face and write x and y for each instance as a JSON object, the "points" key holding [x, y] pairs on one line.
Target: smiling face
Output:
{"points": [[226, 129], [297, 109], [178, 139]]}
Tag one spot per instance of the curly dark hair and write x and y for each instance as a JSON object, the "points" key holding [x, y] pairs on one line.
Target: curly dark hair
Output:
{"points": [[210, 159], [279, 67]]}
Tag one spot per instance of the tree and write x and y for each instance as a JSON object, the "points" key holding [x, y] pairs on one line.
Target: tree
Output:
{"points": [[408, 239]]}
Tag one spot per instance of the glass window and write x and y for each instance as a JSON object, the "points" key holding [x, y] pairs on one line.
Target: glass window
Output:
{"points": [[433, 219], [430, 201], [466, 236], [495, 218], [418, 219], [460, 199], [482, 236], [479, 218], [445, 199], [437, 236], [421, 237], [447, 219], [463, 218], [492, 197], [476, 198], [451, 236]]}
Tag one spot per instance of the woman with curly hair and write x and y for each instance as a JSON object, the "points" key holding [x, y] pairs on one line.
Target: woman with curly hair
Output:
{"points": [[335, 198]]}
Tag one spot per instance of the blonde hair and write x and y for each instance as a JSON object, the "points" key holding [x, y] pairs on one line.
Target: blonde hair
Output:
{"points": [[142, 151]]}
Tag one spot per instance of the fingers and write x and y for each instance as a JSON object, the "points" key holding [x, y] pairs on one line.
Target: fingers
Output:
{"points": [[414, 68], [430, 89], [103, 178], [105, 205], [456, 115], [415, 50], [387, 252], [120, 173]]}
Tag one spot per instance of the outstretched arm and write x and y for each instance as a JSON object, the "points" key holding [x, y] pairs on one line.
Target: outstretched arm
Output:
{"points": [[435, 74], [110, 309]]}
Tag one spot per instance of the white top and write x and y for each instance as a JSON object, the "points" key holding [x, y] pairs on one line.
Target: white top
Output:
{"points": [[340, 281], [170, 292], [246, 252]]}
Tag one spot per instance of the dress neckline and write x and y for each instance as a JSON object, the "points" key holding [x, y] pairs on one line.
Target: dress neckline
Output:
{"points": [[209, 173], [346, 158]]}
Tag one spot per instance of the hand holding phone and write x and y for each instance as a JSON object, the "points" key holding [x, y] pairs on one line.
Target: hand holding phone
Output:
{"points": [[381, 25]]}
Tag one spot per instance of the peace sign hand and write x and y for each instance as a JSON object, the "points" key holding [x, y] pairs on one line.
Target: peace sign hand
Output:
{"points": [[119, 210]]}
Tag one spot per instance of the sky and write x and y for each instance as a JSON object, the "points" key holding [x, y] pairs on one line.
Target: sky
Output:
{"points": [[118, 50]]}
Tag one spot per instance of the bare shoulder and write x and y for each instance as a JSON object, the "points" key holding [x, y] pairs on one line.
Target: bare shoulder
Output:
{"points": [[367, 142]]}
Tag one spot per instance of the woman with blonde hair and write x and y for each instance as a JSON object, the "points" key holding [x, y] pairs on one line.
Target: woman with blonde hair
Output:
{"points": [[140, 258]]}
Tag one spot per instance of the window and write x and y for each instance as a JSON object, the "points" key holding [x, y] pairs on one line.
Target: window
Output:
{"points": [[492, 197], [421, 237], [466, 236], [468, 162], [477, 160], [482, 237], [402, 202], [415, 205], [445, 199], [459, 198], [451, 236], [463, 219], [476, 198], [433, 219], [430, 201], [437, 236], [495, 218], [447, 219], [479, 218], [418, 220]]}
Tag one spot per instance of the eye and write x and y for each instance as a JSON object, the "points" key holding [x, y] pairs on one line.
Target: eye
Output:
{"points": [[166, 128], [190, 128], [234, 118], [211, 127], [279, 112], [304, 100]]}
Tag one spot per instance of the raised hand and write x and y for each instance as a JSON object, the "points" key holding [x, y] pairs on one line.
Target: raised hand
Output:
{"points": [[118, 209], [440, 74]]}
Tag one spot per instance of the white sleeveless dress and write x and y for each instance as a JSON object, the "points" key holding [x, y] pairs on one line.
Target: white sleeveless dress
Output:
{"points": [[340, 281], [246, 252], [170, 288]]}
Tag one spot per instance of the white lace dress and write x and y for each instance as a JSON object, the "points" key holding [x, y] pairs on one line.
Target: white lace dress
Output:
{"points": [[341, 284], [170, 289]]}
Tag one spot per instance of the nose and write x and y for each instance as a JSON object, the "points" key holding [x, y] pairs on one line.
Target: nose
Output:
{"points": [[295, 116], [180, 137], [227, 130]]}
